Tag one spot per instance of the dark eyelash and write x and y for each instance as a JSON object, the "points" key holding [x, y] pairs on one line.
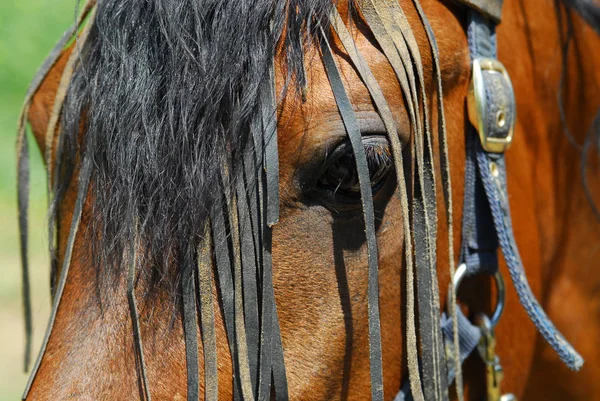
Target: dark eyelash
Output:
{"points": [[379, 161], [378, 155]]}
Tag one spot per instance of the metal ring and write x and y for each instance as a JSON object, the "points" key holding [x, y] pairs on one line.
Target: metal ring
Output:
{"points": [[500, 295]]}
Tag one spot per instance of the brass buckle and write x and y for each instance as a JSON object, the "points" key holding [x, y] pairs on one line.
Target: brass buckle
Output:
{"points": [[493, 368], [478, 107]]}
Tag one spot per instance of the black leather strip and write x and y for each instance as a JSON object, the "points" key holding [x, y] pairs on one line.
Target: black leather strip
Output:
{"points": [[446, 183], [389, 35], [433, 365], [267, 321], [190, 327], [425, 212], [265, 366], [225, 286], [271, 156], [426, 310], [84, 176], [392, 130], [249, 268], [272, 367], [135, 321], [243, 369], [253, 166], [354, 135], [401, 65], [490, 8], [207, 318], [238, 297], [23, 173], [431, 335], [23, 202]]}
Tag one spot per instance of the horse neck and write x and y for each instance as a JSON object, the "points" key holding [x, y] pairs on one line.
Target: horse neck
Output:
{"points": [[544, 167]]}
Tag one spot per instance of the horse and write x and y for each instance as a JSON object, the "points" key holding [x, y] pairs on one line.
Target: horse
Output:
{"points": [[255, 185]]}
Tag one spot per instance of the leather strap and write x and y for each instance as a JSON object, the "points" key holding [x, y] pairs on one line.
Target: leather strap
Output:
{"points": [[249, 265], [491, 9], [271, 362], [85, 172], [399, 44], [23, 211], [222, 251], [271, 164], [23, 172], [239, 323], [354, 135], [190, 325], [447, 194], [392, 131], [272, 365], [135, 321], [424, 205], [207, 317]]}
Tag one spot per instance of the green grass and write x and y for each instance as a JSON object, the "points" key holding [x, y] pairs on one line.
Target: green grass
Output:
{"points": [[28, 30]]}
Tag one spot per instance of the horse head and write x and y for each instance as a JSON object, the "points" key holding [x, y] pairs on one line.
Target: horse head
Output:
{"points": [[263, 199]]}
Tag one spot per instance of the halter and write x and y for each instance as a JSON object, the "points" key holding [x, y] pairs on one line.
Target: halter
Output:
{"points": [[486, 213], [437, 349]]}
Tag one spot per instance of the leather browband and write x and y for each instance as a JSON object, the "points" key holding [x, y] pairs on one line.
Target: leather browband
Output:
{"points": [[489, 8]]}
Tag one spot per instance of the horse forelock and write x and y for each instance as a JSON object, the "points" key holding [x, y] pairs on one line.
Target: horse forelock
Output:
{"points": [[166, 92]]}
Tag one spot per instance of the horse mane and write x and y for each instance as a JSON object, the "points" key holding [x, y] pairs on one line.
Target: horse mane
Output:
{"points": [[166, 92]]}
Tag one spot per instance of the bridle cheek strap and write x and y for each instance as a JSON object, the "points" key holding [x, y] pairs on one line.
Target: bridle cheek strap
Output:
{"points": [[354, 135], [486, 214], [492, 115]]}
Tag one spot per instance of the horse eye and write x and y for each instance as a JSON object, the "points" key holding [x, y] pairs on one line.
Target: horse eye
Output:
{"points": [[340, 179]]}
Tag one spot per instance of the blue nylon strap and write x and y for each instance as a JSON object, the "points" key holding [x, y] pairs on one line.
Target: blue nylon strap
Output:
{"points": [[479, 243], [492, 174], [468, 338], [487, 223], [495, 186]]}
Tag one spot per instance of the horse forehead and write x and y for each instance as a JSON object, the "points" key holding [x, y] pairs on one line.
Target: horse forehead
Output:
{"points": [[446, 21]]}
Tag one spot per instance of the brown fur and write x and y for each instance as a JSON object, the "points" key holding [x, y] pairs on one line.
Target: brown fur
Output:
{"points": [[320, 260]]}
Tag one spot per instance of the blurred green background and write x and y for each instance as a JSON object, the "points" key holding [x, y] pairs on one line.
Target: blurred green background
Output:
{"points": [[28, 30]]}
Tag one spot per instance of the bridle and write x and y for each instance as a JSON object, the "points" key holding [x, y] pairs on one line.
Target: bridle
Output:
{"points": [[486, 223], [436, 347]]}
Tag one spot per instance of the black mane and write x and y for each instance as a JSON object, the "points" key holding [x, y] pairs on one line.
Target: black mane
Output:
{"points": [[166, 91]]}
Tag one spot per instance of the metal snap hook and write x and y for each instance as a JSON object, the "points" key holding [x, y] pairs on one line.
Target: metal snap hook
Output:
{"points": [[500, 297]]}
